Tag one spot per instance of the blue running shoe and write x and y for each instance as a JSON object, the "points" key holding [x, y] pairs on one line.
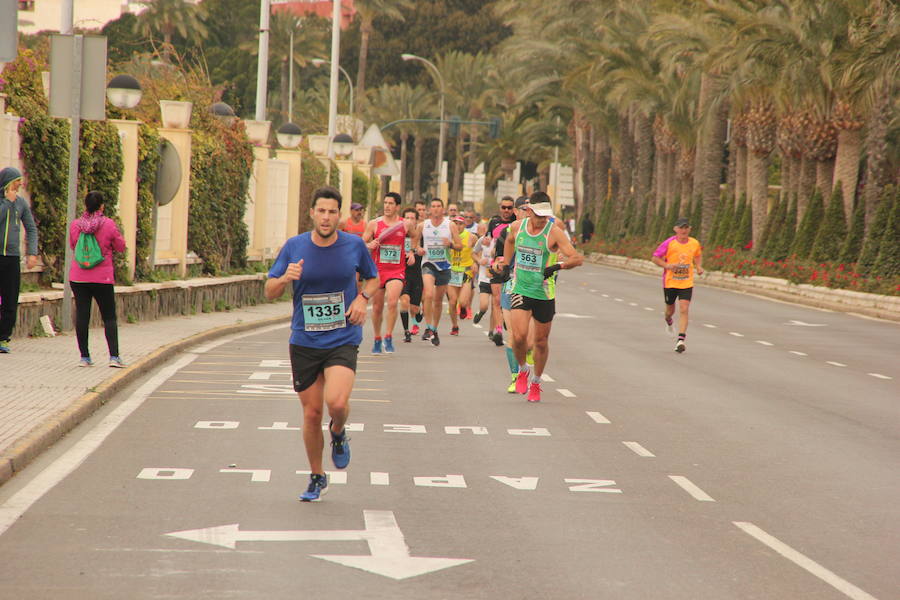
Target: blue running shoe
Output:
{"points": [[318, 487], [340, 448], [376, 348], [388, 345]]}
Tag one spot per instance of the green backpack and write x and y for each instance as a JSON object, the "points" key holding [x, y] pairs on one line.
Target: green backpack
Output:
{"points": [[87, 251]]}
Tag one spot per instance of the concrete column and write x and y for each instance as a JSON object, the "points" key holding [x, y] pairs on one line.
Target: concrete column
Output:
{"points": [[129, 132], [345, 167], [256, 224], [179, 207], [294, 159]]}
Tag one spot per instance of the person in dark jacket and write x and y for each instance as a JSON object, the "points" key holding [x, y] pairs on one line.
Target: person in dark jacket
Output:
{"points": [[587, 228], [14, 213], [98, 282]]}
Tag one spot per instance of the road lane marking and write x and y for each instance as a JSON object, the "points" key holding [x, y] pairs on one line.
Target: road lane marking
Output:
{"points": [[835, 364], [21, 501], [619, 300], [691, 488], [605, 295], [803, 561], [648, 308], [546, 378], [796, 353], [735, 334], [764, 343], [597, 417], [565, 392], [880, 376], [710, 325], [379, 478], [639, 450], [632, 304]]}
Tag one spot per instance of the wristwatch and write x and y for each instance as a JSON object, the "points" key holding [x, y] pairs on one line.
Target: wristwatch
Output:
{"points": [[365, 295]]}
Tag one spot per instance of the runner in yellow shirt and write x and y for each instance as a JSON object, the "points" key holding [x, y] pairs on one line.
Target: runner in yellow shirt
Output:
{"points": [[680, 256]]}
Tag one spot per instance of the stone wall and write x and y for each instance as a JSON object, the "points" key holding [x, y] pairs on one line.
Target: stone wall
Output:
{"points": [[149, 301]]}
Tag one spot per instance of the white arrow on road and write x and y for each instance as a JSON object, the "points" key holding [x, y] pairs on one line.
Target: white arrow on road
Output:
{"points": [[574, 316], [805, 324], [389, 552]]}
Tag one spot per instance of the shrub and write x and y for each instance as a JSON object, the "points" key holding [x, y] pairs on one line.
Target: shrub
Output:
{"points": [[809, 226], [832, 230]]}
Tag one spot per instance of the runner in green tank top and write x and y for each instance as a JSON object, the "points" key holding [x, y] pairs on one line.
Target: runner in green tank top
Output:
{"points": [[529, 247]]}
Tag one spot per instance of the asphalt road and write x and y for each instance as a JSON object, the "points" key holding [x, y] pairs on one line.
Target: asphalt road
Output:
{"points": [[761, 463]]}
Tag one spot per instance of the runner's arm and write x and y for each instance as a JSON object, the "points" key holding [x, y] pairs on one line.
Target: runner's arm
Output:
{"points": [[509, 246], [570, 257], [455, 242], [357, 312], [660, 262]]}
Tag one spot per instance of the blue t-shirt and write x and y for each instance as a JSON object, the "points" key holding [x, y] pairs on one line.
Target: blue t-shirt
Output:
{"points": [[325, 289]]}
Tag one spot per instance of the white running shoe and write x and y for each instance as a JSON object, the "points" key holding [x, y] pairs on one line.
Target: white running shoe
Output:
{"points": [[670, 328], [680, 347]]}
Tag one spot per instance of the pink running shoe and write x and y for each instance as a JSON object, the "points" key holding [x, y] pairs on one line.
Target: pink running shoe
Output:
{"points": [[414, 330], [522, 382], [534, 392]]}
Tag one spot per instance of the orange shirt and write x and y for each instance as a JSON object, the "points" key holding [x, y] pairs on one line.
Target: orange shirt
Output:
{"points": [[682, 256], [355, 228]]}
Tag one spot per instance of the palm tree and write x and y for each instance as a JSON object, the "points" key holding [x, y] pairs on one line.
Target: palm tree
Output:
{"points": [[368, 11], [168, 17]]}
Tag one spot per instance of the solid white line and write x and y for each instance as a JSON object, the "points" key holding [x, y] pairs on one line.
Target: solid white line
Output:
{"points": [[638, 449], [597, 417], [801, 560], [546, 378], [22, 500], [565, 392], [764, 343], [835, 364], [735, 334], [710, 325], [689, 486], [880, 376], [798, 353]]}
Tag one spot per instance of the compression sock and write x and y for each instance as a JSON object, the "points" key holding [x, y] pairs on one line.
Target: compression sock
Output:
{"points": [[681, 336], [529, 358], [535, 378], [511, 360], [404, 318]]}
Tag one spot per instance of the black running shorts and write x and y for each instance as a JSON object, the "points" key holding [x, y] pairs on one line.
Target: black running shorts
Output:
{"points": [[541, 310], [307, 363], [412, 287], [673, 294]]}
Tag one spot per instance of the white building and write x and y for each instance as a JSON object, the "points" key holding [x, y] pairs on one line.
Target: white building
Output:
{"points": [[46, 15]]}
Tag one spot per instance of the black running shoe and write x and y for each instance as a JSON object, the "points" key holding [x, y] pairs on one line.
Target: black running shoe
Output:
{"points": [[407, 337], [498, 338], [435, 340], [427, 335], [477, 317]]}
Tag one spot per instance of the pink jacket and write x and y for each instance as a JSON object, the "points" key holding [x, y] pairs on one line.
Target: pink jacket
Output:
{"points": [[110, 240]]}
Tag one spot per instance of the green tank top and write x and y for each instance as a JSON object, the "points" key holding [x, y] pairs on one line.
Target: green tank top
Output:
{"points": [[531, 257]]}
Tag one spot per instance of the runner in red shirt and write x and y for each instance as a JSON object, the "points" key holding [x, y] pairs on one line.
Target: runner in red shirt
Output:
{"points": [[386, 237]]}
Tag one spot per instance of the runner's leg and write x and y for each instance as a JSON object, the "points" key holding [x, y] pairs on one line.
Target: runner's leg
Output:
{"points": [[312, 400], [377, 311], [683, 307], [541, 346], [338, 385], [437, 304], [393, 289]]}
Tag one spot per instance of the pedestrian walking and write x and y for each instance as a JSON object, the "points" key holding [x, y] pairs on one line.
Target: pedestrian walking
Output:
{"points": [[14, 214], [587, 228], [95, 281], [321, 265]]}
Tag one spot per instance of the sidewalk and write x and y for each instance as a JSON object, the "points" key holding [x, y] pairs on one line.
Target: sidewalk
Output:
{"points": [[44, 394]]}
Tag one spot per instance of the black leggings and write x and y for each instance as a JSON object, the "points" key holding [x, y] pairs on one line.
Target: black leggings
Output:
{"points": [[105, 295], [10, 276]]}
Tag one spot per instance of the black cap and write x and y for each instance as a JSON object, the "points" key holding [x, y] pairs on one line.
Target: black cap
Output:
{"points": [[682, 222], [521, 201]]}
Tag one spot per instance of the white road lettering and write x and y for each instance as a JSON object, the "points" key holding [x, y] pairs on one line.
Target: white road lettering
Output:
{"points": [[376, 478], [262, 388], [593, 485], [519, 483], [275, 364], [267, 375], [167, 473], [395, 428], [448, 481], [534, 431], [638, 449], [565, 392], [336, 477], [453, 430], [257, 475], [217, 424], [689, 486]]}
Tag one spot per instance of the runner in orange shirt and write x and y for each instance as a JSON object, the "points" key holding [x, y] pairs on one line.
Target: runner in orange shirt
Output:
{"points": [[679, 256], [355, 223]]}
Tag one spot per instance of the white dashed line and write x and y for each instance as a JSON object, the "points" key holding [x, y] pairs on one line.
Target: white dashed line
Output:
{"points": [[795, 352], [834, 364], [632, 304], [639, 450], [803, 561], [764, 343], [619, 300], [376, 478], [546, 378], [880, 376], [565, 392], [593, 290], [710, 325], [597, 417], [647, 308], [689, 486], [735, 334], [605, 295]]}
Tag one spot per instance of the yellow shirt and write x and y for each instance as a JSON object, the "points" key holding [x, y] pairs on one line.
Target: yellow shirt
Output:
{"points": [[682, 256], [461, 260]]}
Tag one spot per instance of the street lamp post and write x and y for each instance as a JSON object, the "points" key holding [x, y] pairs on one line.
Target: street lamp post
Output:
{"points": [[318, 62], [262, 66], [440, 153]]}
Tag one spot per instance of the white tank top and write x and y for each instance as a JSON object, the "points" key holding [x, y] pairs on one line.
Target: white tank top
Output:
{"points": [[436, 253]]}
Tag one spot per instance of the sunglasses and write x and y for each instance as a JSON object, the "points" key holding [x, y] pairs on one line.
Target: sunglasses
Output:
{"points": [[506, 207]]}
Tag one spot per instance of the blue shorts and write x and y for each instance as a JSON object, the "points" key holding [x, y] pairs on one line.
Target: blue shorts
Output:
{"points": [[440, 277], [505, 302]]}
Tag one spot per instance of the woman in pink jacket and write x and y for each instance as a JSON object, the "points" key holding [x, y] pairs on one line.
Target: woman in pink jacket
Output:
{"points": [[97, 282]]}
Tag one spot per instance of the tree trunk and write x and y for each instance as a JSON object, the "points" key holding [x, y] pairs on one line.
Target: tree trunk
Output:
{"points": [[508, 166], [786, 178], [359, 95], [643, 138], [457, 169], [670, 178], [404, 139], [686, 160], [602, 160], [846, 166], [285, 92], [710, 150], [473, 145], [757, 176], [659, 169], [877, 151], [824, 176], [626, 159], [741, 173], [731, 175], [806, 185], [796, 171], [417, 168]]}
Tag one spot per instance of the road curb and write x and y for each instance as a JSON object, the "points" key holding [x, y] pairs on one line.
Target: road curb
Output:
{"points": [[39, 439], [859, 303]]}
